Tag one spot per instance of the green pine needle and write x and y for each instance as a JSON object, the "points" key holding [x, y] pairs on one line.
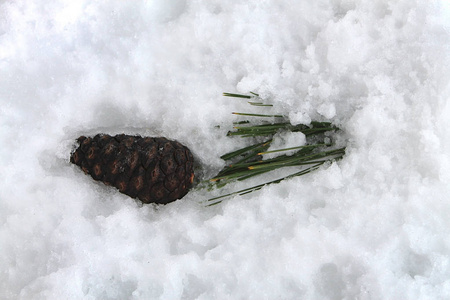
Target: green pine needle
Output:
{"points": [[248, 162], [293, 148], [241, 95], [257, 115], [259, 104], [237, 95]]}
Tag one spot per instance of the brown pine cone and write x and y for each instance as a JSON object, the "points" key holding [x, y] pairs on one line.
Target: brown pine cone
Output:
{"points": [[155, 170]]}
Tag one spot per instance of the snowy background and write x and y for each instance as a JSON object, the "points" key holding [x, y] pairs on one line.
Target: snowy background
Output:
{"points": [[375, 225]]}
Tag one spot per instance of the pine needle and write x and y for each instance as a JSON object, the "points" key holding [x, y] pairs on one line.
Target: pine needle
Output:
{"points": [[257, 115], [237, 95]]}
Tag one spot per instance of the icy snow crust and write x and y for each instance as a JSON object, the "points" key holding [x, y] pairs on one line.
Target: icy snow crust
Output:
{"points": [[375, 225]]}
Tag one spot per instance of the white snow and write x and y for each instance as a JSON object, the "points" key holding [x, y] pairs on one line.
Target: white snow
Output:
{"points": [[375, 225], [284, 140]]}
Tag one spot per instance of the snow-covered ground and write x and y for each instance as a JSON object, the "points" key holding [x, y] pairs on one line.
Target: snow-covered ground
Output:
{"points": [[375, 225]]}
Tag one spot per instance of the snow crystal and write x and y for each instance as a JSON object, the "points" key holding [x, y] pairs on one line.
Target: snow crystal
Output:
{"points": [[374, 225]]}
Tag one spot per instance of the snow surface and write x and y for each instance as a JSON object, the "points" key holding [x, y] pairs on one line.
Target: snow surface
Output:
{"points": [[375, 225]]}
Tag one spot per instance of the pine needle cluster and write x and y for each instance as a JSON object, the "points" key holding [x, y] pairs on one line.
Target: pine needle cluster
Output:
{"points": [[249, 161]]}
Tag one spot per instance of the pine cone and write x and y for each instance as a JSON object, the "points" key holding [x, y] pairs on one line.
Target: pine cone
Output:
{"points": [[155, 170]]}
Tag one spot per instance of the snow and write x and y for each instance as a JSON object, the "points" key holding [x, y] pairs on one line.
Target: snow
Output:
{"points": [[375, 225], [284, 140]]}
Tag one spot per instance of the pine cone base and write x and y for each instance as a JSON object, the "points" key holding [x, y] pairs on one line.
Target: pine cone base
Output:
{"points": [[154, 170]]}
